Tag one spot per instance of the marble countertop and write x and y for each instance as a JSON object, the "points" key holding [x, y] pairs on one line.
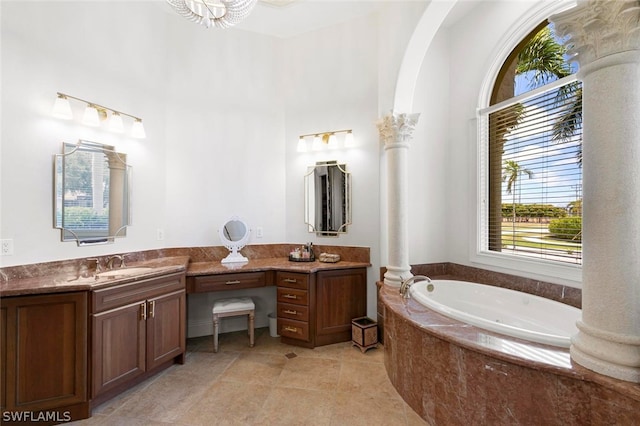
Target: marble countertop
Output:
{"points": [[59, 281], [64, 281], [269, 264]]}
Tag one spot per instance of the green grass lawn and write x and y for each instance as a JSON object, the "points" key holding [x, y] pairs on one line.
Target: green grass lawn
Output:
{"points": [[535, 236]]}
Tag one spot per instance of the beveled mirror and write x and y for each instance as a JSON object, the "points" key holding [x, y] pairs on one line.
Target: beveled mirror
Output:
{"points": [[328, 198], [91, 193], [234, 235]]}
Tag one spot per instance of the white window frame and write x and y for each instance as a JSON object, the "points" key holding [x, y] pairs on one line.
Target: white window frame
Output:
{"points": [[548, 270]]}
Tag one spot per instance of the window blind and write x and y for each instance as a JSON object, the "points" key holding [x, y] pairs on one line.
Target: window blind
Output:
{"points": [[533, 176]]}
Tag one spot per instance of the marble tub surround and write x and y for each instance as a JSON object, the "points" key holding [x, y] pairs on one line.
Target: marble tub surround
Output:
{"points": [[452, 373]]}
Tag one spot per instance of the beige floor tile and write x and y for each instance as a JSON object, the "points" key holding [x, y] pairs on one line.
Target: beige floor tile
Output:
{"points": [[228, 403], [109, 407], [365, 377], [333, 384], [204, 367], [355, 409], [255, 368], [166, 399], [310, 373], [297, 407], [336, 351]]}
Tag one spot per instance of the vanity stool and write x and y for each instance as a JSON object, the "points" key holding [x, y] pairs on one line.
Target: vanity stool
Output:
{"points": [[230, 308]]}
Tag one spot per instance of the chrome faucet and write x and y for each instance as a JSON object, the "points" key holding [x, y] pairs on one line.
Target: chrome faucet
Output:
{"points": [[98, 267], [112, 258], [405, 284]]}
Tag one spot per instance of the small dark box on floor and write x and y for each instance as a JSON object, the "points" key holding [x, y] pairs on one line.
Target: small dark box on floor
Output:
{"points": [[364, 333]]}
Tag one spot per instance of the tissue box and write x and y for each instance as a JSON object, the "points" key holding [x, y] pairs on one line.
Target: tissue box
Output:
{"points": [[329, 258]]}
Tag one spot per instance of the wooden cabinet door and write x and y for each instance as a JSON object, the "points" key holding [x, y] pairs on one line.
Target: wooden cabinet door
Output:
{"points": [[119, 337], [3, 357], [44, 354], [166, 317], [341, 295]]}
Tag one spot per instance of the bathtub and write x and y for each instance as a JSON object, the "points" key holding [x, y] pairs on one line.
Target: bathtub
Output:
{"points": [[500, 310]]}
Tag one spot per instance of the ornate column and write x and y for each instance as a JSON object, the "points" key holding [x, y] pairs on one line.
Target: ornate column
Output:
{"points": [[605, 38], [396, 131]]}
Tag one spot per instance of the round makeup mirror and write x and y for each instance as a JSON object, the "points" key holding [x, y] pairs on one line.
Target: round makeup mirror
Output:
{"points": [[234, 235]]}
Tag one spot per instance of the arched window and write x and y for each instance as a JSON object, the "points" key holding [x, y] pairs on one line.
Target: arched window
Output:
{"points": [[532, 154]]}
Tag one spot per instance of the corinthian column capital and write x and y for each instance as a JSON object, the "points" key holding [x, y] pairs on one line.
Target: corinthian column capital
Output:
{"points": [[600, 28], [397, 128]]}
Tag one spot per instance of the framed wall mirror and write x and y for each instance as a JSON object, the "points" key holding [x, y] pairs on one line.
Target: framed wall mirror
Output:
{"points": [[91, 193], [327, 198]]}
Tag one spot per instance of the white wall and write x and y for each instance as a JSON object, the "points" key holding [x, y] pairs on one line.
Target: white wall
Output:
{"points": [[222, 112], [337, 78], [117, 60]]}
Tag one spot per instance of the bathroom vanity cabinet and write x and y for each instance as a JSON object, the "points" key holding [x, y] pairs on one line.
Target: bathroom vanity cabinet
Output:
{"points": [[316, 309], [44, 356], [137, 329]]}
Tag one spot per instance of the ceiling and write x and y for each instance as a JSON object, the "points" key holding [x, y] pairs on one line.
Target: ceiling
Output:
{"points": [[288, 18]]}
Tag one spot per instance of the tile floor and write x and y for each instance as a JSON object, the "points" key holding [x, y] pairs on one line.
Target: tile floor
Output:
{"points": [[270, 384]]}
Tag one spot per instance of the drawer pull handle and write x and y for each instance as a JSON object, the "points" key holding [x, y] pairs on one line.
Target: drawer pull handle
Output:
{"points": [[291, 329], [232, 282], [289, 296], [143, 311], [290, 280], [290, 312], [152, 309]]}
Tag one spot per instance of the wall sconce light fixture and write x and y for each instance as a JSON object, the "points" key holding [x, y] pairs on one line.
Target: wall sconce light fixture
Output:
{"points": [[94, 114], [325, 140]]}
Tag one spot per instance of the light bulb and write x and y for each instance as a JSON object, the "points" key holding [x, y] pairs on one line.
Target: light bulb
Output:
{"points": [[317, 143], [115, 123], [61, 108], [91, 117], [302, 144], [348, 140], [137, 129], [333, 142]]}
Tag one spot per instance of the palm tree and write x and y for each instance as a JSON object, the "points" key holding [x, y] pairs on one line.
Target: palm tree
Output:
{"points": [[512, 172], [546, 58]]}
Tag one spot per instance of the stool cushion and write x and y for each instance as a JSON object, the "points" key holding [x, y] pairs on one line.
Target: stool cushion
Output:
{"points": [[234, 304]]}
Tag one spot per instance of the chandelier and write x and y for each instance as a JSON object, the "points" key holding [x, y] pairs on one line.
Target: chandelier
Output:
{"points": [[219, 13]]}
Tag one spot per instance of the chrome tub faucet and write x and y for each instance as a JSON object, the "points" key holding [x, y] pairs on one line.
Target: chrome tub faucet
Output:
{"points": [[405, 284]]}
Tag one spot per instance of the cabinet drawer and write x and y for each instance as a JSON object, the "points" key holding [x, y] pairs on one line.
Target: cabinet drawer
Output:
{"points": [[229, 281], [293, 329], [292, 280], [120, 295], [291, 295], [296, 312]]}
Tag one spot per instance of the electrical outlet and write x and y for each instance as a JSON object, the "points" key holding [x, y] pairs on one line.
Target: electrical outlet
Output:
{"points": [[160, 234], [6, 247], [259, 232]]}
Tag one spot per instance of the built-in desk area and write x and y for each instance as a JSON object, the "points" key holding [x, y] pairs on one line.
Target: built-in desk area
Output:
{"points": [[315, 301]]}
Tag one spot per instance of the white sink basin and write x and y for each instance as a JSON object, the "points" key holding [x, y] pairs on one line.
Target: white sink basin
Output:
{"points": [[125, 272]]}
